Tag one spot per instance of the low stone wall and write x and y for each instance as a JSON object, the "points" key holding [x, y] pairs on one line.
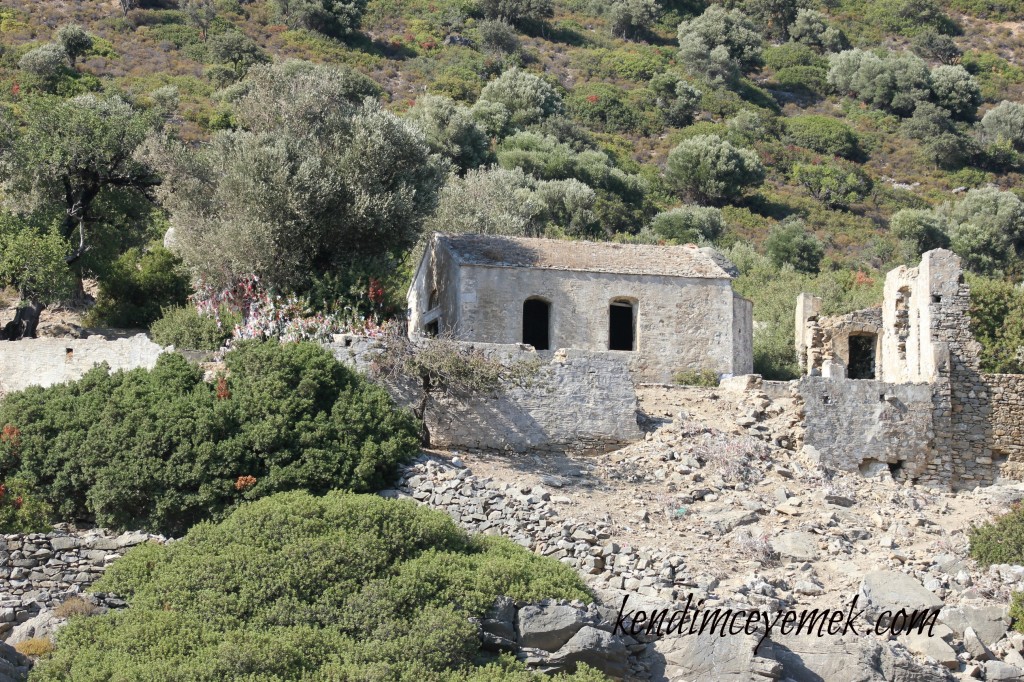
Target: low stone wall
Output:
{"points": [[39, 571], [578, 400], [1007, 420], [852, 424], [48, 361]]}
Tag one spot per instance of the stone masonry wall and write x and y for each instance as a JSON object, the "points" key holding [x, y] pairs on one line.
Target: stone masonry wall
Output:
{"points": [[1007, 422], [49, 361], [578, 400], [40, 571]]}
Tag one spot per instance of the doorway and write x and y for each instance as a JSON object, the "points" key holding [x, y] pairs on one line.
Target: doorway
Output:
{"points": [[537, 323]]}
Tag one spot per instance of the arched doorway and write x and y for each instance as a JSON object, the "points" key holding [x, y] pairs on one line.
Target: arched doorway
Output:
{"points": [[537, 323]]}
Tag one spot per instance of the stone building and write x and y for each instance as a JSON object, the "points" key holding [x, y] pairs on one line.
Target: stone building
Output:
{"points": [[900, 386], [665, 308]]}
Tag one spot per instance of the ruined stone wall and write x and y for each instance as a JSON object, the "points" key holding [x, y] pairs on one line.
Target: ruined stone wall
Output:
{"points": [[48, 361], [1007, 423], [851, 425], [577, 400]]}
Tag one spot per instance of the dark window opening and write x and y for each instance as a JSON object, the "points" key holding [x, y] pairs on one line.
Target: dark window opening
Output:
{"points": [[936, 298], [621, 330], [862, 357], [432, 329], [433, 301], [537, 323], [896, 469]]}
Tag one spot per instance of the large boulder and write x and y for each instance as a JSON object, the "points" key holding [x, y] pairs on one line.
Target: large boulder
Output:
{"points": [[13, 666], [990, 623], [597, 648], [548, 626], [846, 658], [44, 624], [882, 591]]}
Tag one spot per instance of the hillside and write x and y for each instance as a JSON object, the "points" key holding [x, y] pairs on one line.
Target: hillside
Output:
{"points": [[838, 141]]}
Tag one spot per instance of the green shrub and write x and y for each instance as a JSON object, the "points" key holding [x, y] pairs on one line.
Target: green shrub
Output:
{"points": [[137, 286], [997, 322], [791, 243], [21, 509], [161, 449], [786, 55], [688, 224], [184, 327], [318, 588], [811, 79], [602, 106], [696, 377], [1000, 541], [996, 10], [835, 185], [823, 134], [711, 170]]}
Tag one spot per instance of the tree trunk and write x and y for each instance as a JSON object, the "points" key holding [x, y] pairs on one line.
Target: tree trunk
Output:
{"points": [[24, 324]]}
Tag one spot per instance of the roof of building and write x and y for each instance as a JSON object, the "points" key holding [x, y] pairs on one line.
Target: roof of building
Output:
{"points": [[609, 257]]}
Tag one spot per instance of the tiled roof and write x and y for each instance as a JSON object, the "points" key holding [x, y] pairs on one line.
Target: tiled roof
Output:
{"points": [[610, 257]]}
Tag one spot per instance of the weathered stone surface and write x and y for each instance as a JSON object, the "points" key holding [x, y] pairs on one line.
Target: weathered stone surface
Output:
{"points": [[997, 671], [989, 622], [801, 546], [932, 647], [975, 647], [891, 591], [43, 625], [596, 648], [547, 627]]}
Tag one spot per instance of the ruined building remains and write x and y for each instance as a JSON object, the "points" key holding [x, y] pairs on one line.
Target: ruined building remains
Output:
{"points": [[900, 386], [662, 309]]}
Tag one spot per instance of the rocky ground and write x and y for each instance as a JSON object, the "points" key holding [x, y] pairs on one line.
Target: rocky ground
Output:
{"points": [[710, 505]]}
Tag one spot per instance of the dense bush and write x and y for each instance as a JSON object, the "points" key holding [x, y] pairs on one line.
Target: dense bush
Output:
{"points": [[184, 327], [1005, 121], [688, 224], [677, 99], [811, 28], [1000, 541], [894, 82], [823, 134], [632, 18], [791, 54], [517, 12], [300, 587], [451, 131], [908, 17], [138, 286], [603, 107], [161, 449], [524, 97], [956, 91], [931, 44], [719, 45], [711, 170], [331, 17], [997, 322], [790, 243], [835, 185], [919, 230]]}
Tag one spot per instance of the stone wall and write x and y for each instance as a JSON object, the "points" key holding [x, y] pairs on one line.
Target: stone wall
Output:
{"points": [[851, 425], [39, 571], [1007, 422], [49, 361], [578, 400]]}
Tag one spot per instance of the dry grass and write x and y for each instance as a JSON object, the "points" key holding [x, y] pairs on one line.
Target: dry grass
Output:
{"points": [[75, 606], [35, 647]]}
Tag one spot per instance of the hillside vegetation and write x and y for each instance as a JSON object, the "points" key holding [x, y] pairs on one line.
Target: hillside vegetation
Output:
{"points": [[312, 143]]}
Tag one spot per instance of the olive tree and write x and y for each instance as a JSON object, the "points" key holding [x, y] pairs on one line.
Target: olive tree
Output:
{"points": [[811, 28], [920, 230], [516, 12], [791, 243], [895, 82], [720, 44], [66, 166], [988, 228], [44, 65], [688, 224], [834, 184], [200, 13], [677, 99], [451, 131], [711, 170], [940, 47], [1005, 121], [237, 49], [75, 41], [314, 179], [525, 98], [632, 18], [956, 91], [338, 18]]}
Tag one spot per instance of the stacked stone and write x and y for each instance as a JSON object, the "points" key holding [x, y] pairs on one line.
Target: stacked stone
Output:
{"points": [[526, 515], [39, 571], [1007, 434]]}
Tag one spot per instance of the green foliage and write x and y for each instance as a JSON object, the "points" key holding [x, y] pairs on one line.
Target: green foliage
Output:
{"points": [[338, 18], [803, 78], [677, 99], [942, 141], [688, 224], [603, 107], [823, 134], [314, 179], [811, 28], [1005, 122], [184, 327], [137, 286], [237, 49], [834, 184], [44, 66], [956, 91], [21, 509], [996, 10], [783, 56], [995, 75], [632, 18], [719, 45], [498, 36], [322, 588], [33, 260], [774, 17], [919, 230], [908, 17], [696, 377], [75, 42], [997, 322], [451, 132], [895, 82], [525, 98], [1000, 541], [930, 44], [790, 243], [517, 12], [162, 449], [711, 170]]}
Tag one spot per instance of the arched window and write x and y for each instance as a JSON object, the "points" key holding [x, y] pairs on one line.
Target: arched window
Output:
{"points": [[622, 325], [537, 323]]}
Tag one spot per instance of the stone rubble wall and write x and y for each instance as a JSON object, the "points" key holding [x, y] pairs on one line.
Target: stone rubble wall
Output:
{"points": [[41, 570], [578, 400], [48, 361], [1007, 422]]}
